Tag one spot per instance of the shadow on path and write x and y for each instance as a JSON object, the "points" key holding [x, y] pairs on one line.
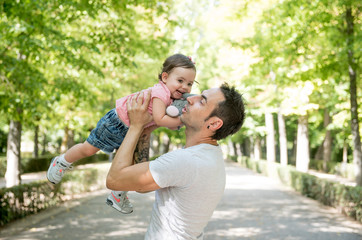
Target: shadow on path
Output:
{"points": [[257, 207]]}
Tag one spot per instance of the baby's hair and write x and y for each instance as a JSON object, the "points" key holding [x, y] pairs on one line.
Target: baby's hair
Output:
{"points": [[174, 61]]}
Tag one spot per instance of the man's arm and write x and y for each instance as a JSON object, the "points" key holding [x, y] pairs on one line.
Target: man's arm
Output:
{"points": [[122, 174], [142, 151]]}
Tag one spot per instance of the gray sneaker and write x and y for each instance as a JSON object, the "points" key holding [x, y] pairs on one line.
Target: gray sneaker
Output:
{"points": [[120, 202], [56, 171]]}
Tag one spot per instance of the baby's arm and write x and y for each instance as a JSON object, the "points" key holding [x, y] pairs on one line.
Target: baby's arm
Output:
{"points": [[160, 117]]}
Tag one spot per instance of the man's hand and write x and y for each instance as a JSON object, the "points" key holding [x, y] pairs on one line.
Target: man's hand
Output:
{"points": [[137, 106]]}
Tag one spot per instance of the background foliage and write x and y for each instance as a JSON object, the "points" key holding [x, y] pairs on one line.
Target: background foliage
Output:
{"points": [[63, 63]]}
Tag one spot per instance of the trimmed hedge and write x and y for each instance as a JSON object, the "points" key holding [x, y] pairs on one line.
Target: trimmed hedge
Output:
{"points": [[347, 199], [345, 170], [22, 200]]}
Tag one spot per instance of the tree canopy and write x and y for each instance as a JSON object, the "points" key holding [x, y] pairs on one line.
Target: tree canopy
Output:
{"points": [[63, 63]]}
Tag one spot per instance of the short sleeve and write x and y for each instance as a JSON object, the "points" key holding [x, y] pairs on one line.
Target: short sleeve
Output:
{"points": [[173, 169], [162, 92]]}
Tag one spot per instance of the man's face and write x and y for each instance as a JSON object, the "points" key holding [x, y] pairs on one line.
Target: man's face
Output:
{"points": [[199, 107]]}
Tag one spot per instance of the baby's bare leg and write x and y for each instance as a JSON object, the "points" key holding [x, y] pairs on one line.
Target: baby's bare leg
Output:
{"points": [[80, 151]]}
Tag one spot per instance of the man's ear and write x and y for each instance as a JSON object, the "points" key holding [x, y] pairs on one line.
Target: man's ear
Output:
{"points": [[164, 77], [214, 123]]}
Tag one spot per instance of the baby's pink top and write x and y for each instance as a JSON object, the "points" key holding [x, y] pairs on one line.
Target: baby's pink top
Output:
{"points": [[159, 90]]}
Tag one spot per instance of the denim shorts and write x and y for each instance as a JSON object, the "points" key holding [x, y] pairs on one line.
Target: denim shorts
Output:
{"points": [[109, 133]]}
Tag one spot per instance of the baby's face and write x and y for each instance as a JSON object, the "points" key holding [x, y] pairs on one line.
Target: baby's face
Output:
{"points": [[179, 81]]}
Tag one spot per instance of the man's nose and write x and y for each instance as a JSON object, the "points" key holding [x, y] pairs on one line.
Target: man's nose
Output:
{"points": [[191, 99]]}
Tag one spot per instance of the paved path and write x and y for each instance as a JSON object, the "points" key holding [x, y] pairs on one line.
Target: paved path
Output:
{"points": [[253, 207]]}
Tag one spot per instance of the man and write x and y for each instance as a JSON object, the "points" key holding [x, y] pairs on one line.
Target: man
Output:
{"points": [[188, 182]]}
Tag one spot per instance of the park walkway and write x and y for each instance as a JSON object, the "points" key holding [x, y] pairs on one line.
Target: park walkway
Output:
{"points": [[253, 207]]}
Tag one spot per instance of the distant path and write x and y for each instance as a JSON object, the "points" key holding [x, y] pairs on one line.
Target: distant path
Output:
{"points": [[253, 207]]}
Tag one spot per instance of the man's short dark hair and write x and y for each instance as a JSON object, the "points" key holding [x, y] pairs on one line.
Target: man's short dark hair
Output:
{"points": [[231, 111]]}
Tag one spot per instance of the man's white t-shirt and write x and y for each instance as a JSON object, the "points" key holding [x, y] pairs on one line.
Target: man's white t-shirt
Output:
{"points": [[192, 182]]}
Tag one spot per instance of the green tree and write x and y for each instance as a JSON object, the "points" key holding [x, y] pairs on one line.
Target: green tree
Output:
{"points": [[55, 53], [303, 41], [351, 14], [29, 32]]}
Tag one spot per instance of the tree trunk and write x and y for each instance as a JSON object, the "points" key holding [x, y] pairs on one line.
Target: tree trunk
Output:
{"points": [[165, 146], [240, 148], [293, 158], [302, 159], [70, 139], [155, 144], [357, 151], [319, 154], [236, 149], [12, 175], [327, 143], [246, 147], [230, 148], [36, 142], [257, 148], [345, 152], [344, 158], [63, 146], [44, 144], [282, 140], [270, 141]]}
